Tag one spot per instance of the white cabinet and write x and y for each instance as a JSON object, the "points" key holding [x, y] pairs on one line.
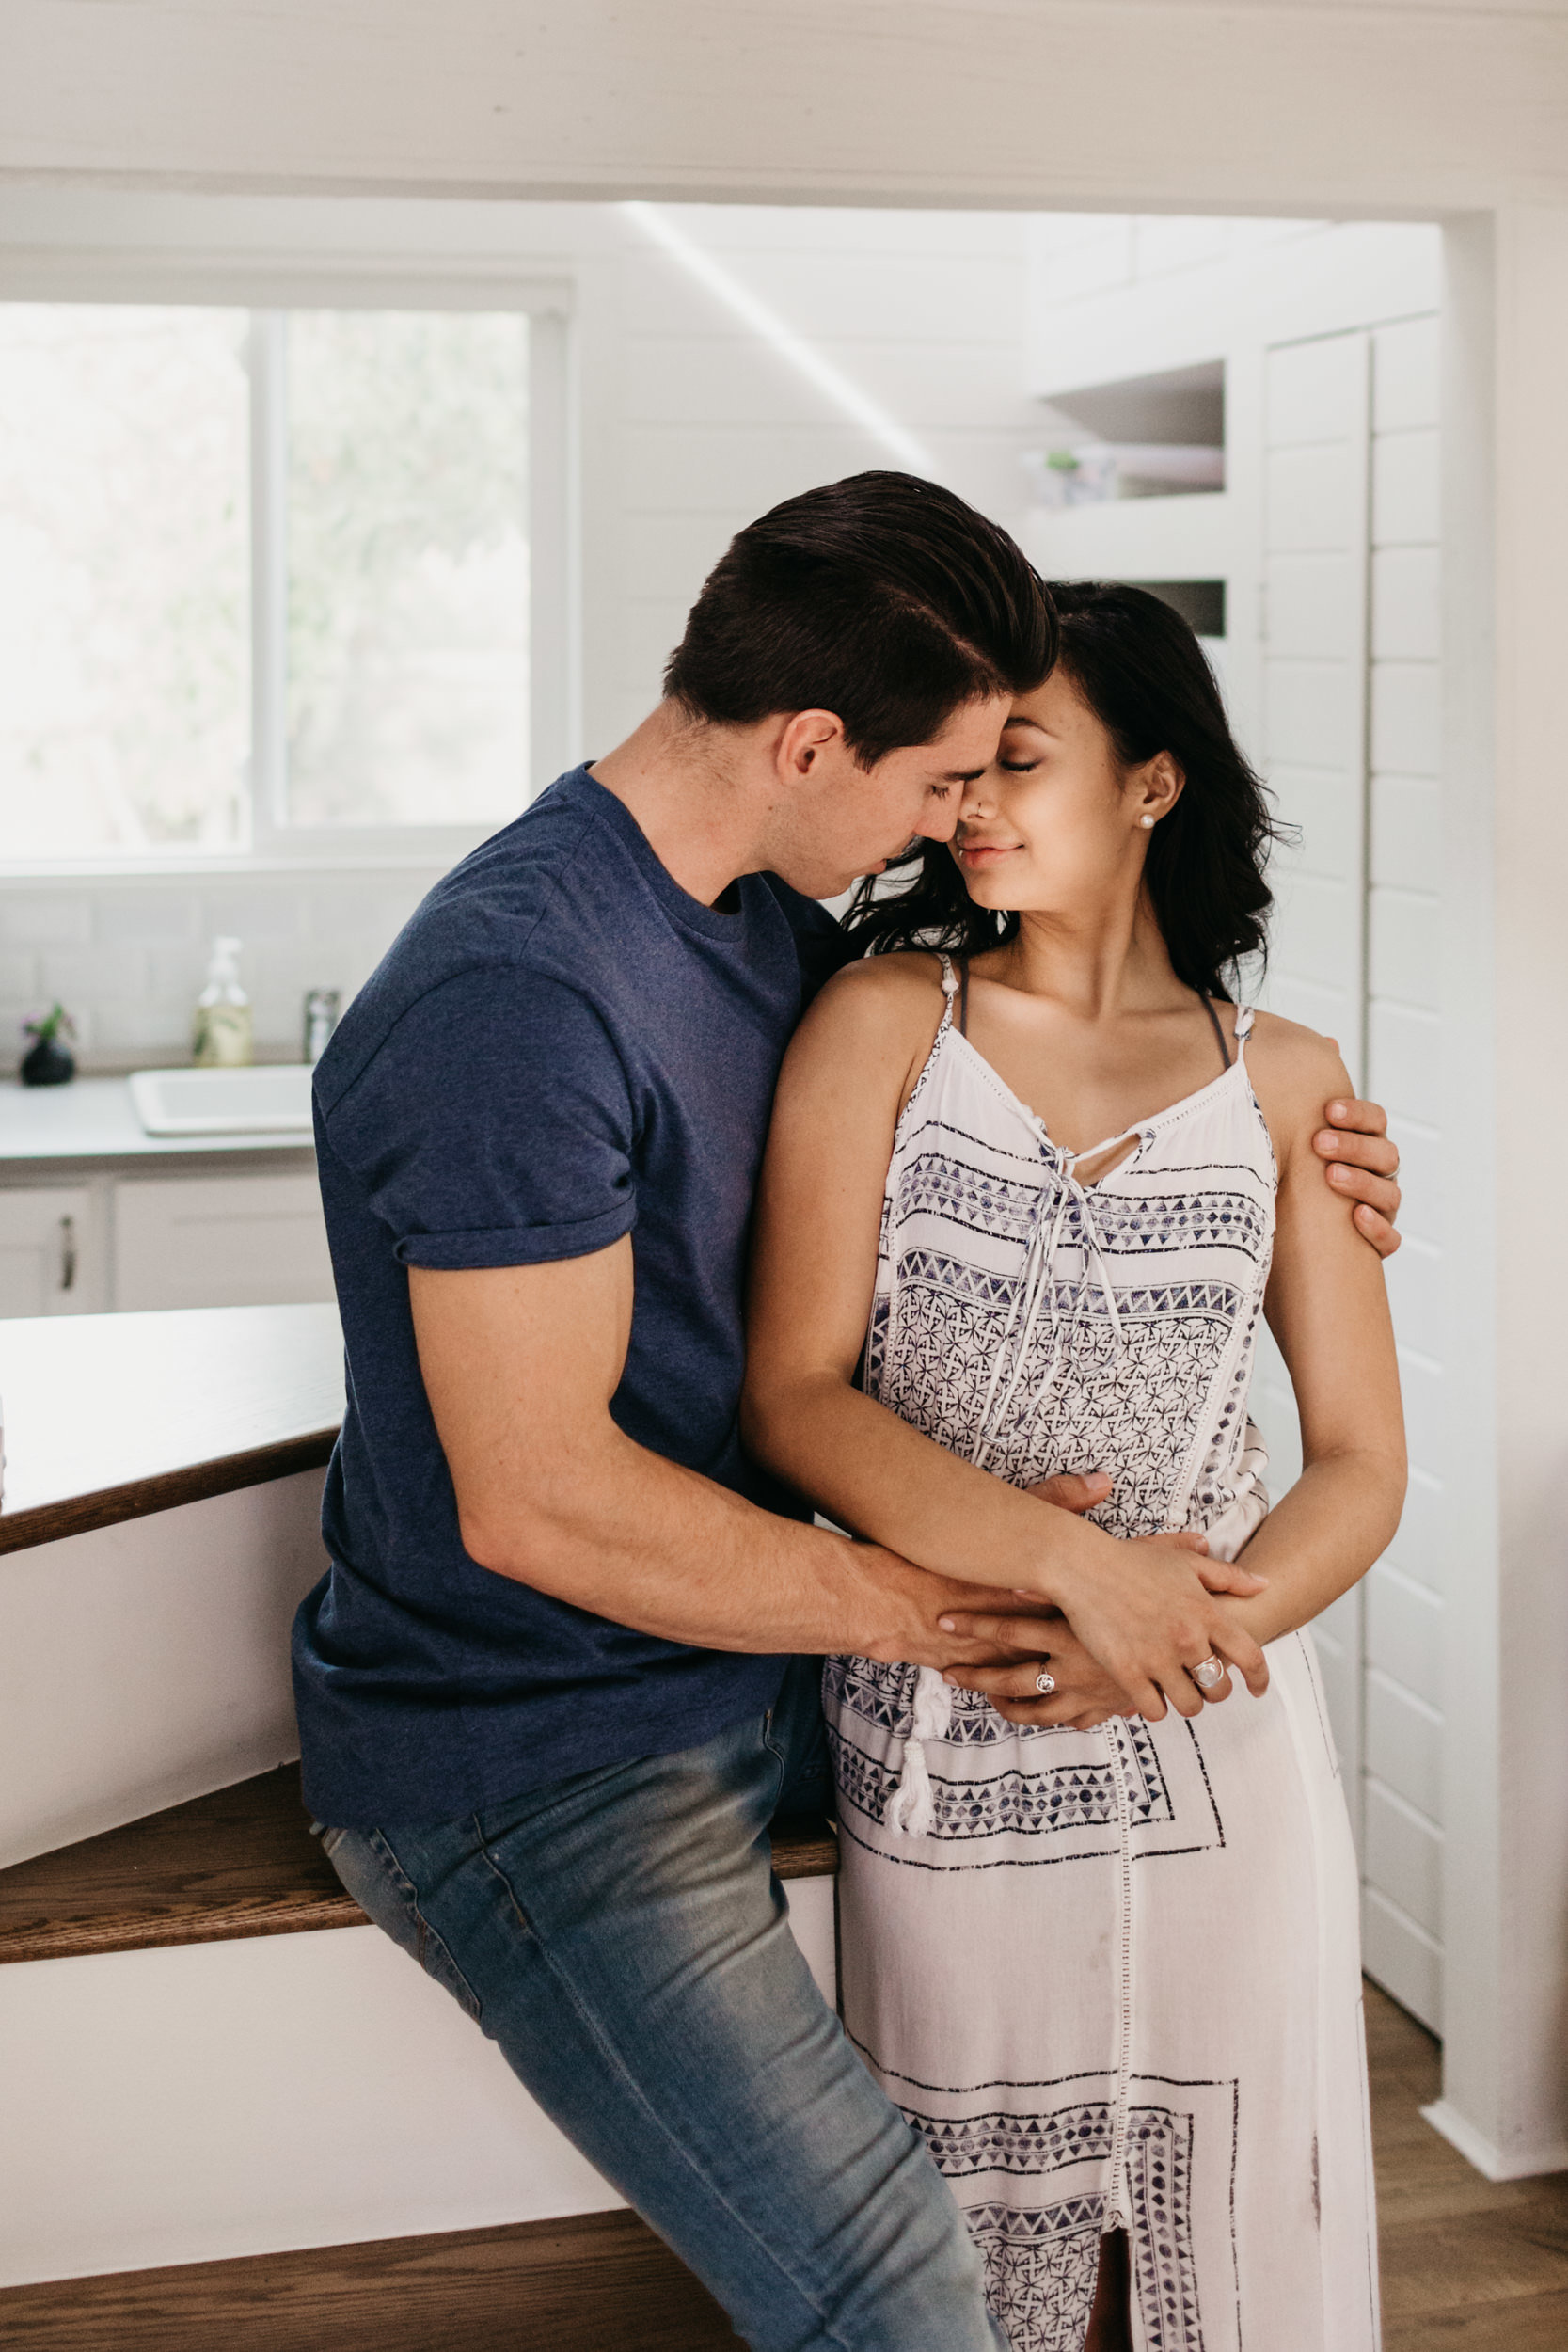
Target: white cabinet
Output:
{"points": [[52, 1254], [219, 1240]]}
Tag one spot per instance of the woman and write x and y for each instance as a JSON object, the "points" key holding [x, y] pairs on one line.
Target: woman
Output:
{"points": [[1025, 1200]]}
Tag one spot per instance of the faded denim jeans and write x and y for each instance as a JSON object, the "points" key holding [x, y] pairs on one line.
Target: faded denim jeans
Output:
{"points": [[621, 1936]]}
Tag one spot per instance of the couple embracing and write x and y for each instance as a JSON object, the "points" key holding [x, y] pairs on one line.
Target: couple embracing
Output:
{"points": [[1014, 1192]]}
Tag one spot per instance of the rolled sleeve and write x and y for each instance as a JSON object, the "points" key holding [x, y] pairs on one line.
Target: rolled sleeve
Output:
{"points": [[493, 1126]]}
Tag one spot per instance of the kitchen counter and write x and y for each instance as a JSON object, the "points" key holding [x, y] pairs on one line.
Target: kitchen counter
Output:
{"points": [[93, 1118], [113, 1417]]}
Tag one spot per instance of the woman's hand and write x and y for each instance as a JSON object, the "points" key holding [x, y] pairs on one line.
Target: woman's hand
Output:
{"points": [[1084, 1694]]}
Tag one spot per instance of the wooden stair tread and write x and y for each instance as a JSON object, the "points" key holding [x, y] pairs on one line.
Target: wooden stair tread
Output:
{"points": [[239, 1862], [578, 2285]]}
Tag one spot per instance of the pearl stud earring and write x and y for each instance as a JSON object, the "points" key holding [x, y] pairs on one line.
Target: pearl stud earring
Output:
{"points": [[1147, 823]]}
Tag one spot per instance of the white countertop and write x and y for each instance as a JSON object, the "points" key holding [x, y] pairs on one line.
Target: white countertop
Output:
{"points": [[92, 1119]]}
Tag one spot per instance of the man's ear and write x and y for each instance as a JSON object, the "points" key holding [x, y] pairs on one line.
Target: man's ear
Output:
{"points": [[803, 740]]}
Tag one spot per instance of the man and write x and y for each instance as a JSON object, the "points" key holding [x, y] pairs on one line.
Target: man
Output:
{"points": [[560, 1674]]}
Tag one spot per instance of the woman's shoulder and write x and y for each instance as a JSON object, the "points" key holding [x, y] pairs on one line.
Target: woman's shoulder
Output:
{"points": [[1295, 1073], [879, 1015], [884, 992]]}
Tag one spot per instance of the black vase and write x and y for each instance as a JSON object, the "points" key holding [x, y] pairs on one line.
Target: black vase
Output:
{"points": [[47, 1064]]}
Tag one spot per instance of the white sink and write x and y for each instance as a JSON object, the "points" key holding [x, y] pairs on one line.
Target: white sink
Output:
{"points": [[272, 1100]]}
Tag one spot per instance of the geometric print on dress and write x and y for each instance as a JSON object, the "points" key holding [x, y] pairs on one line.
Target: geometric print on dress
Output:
{"points": [[927, 1267], [1030, 1804], [938, 1186], [882, 1692], [1001, 2142], [1159, 2185], [1030, 2282], [1107, 1405], [1040, 2269]]}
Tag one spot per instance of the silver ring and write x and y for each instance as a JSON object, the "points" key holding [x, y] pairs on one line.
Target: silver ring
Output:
{"points": [[1209, 1673], [1045, 1683]]}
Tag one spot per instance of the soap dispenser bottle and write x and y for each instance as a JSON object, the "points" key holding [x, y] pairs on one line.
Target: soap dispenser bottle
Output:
{"points": [[222, 1039]]}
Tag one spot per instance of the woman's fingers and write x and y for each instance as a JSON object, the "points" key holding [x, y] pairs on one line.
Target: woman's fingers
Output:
{"points": [[1079, 1684], [1240, 1650]]}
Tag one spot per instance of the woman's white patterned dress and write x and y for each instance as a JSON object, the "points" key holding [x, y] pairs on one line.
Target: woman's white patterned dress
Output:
{"points": [[1112, 1977]]}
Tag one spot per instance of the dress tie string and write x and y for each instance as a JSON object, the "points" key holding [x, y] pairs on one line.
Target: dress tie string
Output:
{"points": [[911, 1806]]}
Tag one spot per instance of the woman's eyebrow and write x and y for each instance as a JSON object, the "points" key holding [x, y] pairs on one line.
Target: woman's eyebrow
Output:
{"points": [[1018, 720]]}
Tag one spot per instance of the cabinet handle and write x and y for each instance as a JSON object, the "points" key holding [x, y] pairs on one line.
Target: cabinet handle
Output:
{"points": [[68, 1253]]}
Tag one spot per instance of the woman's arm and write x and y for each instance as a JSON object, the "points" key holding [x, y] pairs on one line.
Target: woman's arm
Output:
{"points": [[1328, 1306], [1141, 1610]]}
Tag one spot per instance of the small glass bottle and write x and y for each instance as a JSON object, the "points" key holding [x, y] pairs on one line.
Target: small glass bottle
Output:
{"points": [[321, 1019], [222, 1038]]}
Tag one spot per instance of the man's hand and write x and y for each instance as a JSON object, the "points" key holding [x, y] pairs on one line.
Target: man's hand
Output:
{"points": [[1363, 1165]]}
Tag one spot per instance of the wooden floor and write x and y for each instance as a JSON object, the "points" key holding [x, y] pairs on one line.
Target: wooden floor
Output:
{"points": [[1466, 2264]]}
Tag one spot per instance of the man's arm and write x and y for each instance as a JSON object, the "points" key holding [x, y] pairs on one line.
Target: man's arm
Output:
{"points": [[520, 1363]]}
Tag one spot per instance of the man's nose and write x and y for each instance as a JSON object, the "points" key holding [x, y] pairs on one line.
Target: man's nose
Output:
{"points": [[940, 821]]}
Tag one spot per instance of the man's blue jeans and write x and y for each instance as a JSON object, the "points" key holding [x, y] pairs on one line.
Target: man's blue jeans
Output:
{"points": [[621, 1936]]}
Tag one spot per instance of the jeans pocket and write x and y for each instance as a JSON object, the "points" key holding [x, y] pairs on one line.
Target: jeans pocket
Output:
{"points": [[370, 1870]]}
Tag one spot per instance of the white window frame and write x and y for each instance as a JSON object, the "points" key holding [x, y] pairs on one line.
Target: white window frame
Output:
{"points": [[269, 291]]}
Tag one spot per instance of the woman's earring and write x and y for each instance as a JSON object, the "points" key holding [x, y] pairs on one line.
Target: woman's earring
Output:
{"points": [[1147, 823]]}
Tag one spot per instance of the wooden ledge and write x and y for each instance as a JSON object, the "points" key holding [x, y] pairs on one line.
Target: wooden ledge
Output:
{"points": [[140, 1497], [239, 1862]]}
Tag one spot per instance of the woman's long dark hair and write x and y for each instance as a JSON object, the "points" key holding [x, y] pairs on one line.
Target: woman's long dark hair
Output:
{"points": [[1143, 674]]}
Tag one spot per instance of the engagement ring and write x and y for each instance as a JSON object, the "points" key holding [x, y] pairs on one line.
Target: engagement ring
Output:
{"points": [[1045, 1683], [1209, 1672]]}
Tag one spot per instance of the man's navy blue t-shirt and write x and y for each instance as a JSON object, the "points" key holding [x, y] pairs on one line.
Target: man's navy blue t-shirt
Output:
{"points": [[560, 1047]]}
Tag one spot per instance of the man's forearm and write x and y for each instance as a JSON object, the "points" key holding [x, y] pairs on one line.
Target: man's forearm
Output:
{"points": [[639, 1539]]}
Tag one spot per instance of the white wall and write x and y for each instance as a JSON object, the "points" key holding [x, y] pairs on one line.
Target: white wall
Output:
{"points": [[691, 426]]}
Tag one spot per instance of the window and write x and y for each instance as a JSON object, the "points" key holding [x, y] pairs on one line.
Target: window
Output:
{"points": [[267, 578]]}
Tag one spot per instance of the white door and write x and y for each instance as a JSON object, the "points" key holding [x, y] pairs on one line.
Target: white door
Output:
{"points": [[1316, 457], [1349, 695], [1404, 1613], [51, 1252], [219, 1240]]}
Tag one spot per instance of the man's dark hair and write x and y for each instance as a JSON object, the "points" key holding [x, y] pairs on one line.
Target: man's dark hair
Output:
{"points": [[882, 598]]}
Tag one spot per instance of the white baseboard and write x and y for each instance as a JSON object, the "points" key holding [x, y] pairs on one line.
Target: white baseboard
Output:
{"points": [[1478, 2150]]}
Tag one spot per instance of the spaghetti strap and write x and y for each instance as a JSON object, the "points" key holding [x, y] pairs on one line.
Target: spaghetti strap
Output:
{"points": [[1243, 1025], [1219, 1032], [964, 997]]}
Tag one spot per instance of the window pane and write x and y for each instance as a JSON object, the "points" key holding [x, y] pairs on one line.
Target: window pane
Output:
{"points": [[124, 579], [408, 576]]}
